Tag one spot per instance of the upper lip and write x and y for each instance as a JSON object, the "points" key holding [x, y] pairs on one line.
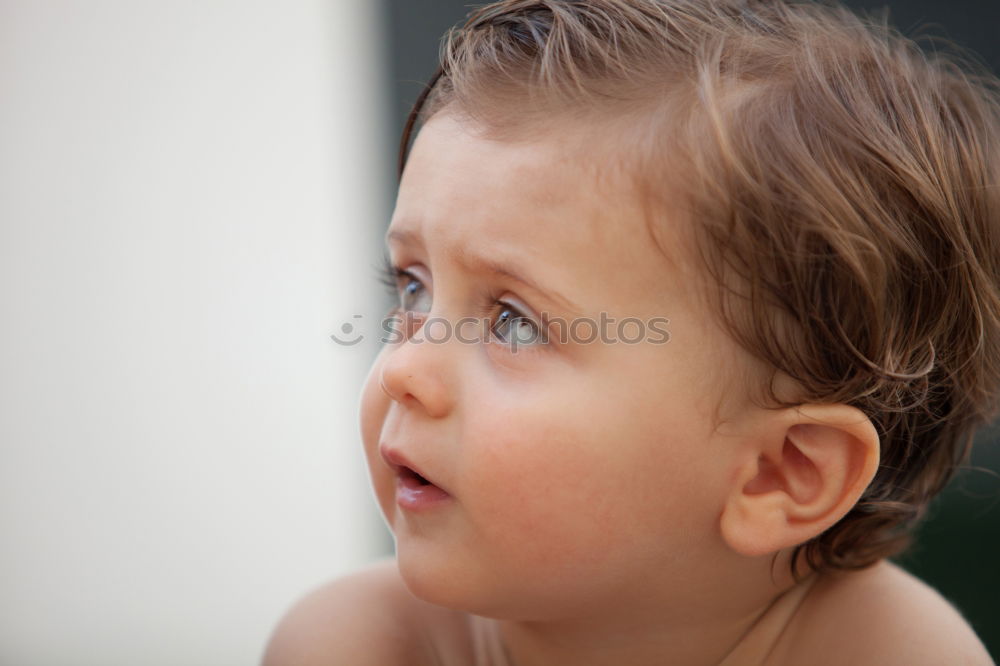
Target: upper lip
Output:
{"points": [[398, 461]]}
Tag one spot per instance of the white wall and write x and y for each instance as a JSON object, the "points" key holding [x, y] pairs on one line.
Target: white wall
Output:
{"points": [[188, 196]]}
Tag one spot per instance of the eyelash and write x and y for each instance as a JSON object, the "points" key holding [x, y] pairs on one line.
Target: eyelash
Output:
{"points": [[391, 275]]}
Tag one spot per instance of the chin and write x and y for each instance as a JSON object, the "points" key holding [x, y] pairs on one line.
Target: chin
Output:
{"points": [[444, 580], [428, 576]]}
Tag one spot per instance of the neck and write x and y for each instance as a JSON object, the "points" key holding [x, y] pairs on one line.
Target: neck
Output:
{"points": [[723, 634]]}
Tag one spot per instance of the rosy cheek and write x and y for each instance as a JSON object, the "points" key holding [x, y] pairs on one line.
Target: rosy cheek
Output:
{"points": [[374, 406], [557, 473], [521, 480], [373, 409]]}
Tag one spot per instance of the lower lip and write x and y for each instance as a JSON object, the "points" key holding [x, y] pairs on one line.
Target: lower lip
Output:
{"points": [[414, 496]]}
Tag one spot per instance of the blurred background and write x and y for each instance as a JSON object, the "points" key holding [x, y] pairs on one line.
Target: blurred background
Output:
{"points": [[192, 197]]}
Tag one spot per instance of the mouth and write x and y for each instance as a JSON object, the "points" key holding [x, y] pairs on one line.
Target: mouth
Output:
{"points": [[409, 478], [408, 475], [414, 491]]}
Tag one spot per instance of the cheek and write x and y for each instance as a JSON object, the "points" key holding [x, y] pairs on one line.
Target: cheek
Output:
{"points": [[579, 484], [373, 409], [544, 487]]}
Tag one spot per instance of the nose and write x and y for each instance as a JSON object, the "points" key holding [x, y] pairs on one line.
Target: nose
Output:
{"points": [[413, 371]]}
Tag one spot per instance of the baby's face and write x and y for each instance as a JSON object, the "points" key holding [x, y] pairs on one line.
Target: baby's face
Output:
{"points": [[567, 472]]}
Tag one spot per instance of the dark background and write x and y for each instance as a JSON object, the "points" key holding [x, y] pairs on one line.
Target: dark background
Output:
{"points": [[958, 548]]}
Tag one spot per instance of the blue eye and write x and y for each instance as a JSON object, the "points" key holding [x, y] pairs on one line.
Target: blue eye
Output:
{"points": [[511, 327], [514, 329], [413, 287], [403, 285]]}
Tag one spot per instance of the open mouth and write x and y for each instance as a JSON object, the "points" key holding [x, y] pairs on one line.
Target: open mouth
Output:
{"points": [[414, 492], [409, 474]]}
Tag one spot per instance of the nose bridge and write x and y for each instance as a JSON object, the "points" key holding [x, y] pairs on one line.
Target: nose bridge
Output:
{"points": [[418, 369]]}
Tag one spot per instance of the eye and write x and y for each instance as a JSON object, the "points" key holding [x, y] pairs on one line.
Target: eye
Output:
{"points": [[511, 327], [514, 329], [407, 287]]}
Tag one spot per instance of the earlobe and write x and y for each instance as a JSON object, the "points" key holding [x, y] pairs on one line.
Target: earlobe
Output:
{"points": [[801, 471]]}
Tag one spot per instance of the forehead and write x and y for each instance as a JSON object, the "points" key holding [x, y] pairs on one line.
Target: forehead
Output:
{"points": [[456, 167], [561, 200]]}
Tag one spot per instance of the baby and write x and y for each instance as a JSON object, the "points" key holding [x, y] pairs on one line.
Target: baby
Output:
{"points": [[699, 306]]}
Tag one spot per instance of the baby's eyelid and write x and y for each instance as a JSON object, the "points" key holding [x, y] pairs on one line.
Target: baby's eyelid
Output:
{"points": [[410, 274], [522, 311]]}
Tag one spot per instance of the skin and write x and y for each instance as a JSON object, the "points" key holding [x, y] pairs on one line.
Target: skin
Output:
{"points": [[586, 479], [608, 503]]}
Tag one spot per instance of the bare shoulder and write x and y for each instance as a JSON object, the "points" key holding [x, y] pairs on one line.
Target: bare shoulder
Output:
{"points": [[368, 618], [880, 615]]}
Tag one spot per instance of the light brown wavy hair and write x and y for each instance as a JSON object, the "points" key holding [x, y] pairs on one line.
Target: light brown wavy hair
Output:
{"points": [[845, 185]]}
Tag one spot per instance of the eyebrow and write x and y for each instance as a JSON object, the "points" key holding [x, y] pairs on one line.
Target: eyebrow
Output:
{"points": [[485, 265]]}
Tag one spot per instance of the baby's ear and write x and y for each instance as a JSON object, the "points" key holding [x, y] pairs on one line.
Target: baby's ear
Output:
{"points": [[801, 470]]}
